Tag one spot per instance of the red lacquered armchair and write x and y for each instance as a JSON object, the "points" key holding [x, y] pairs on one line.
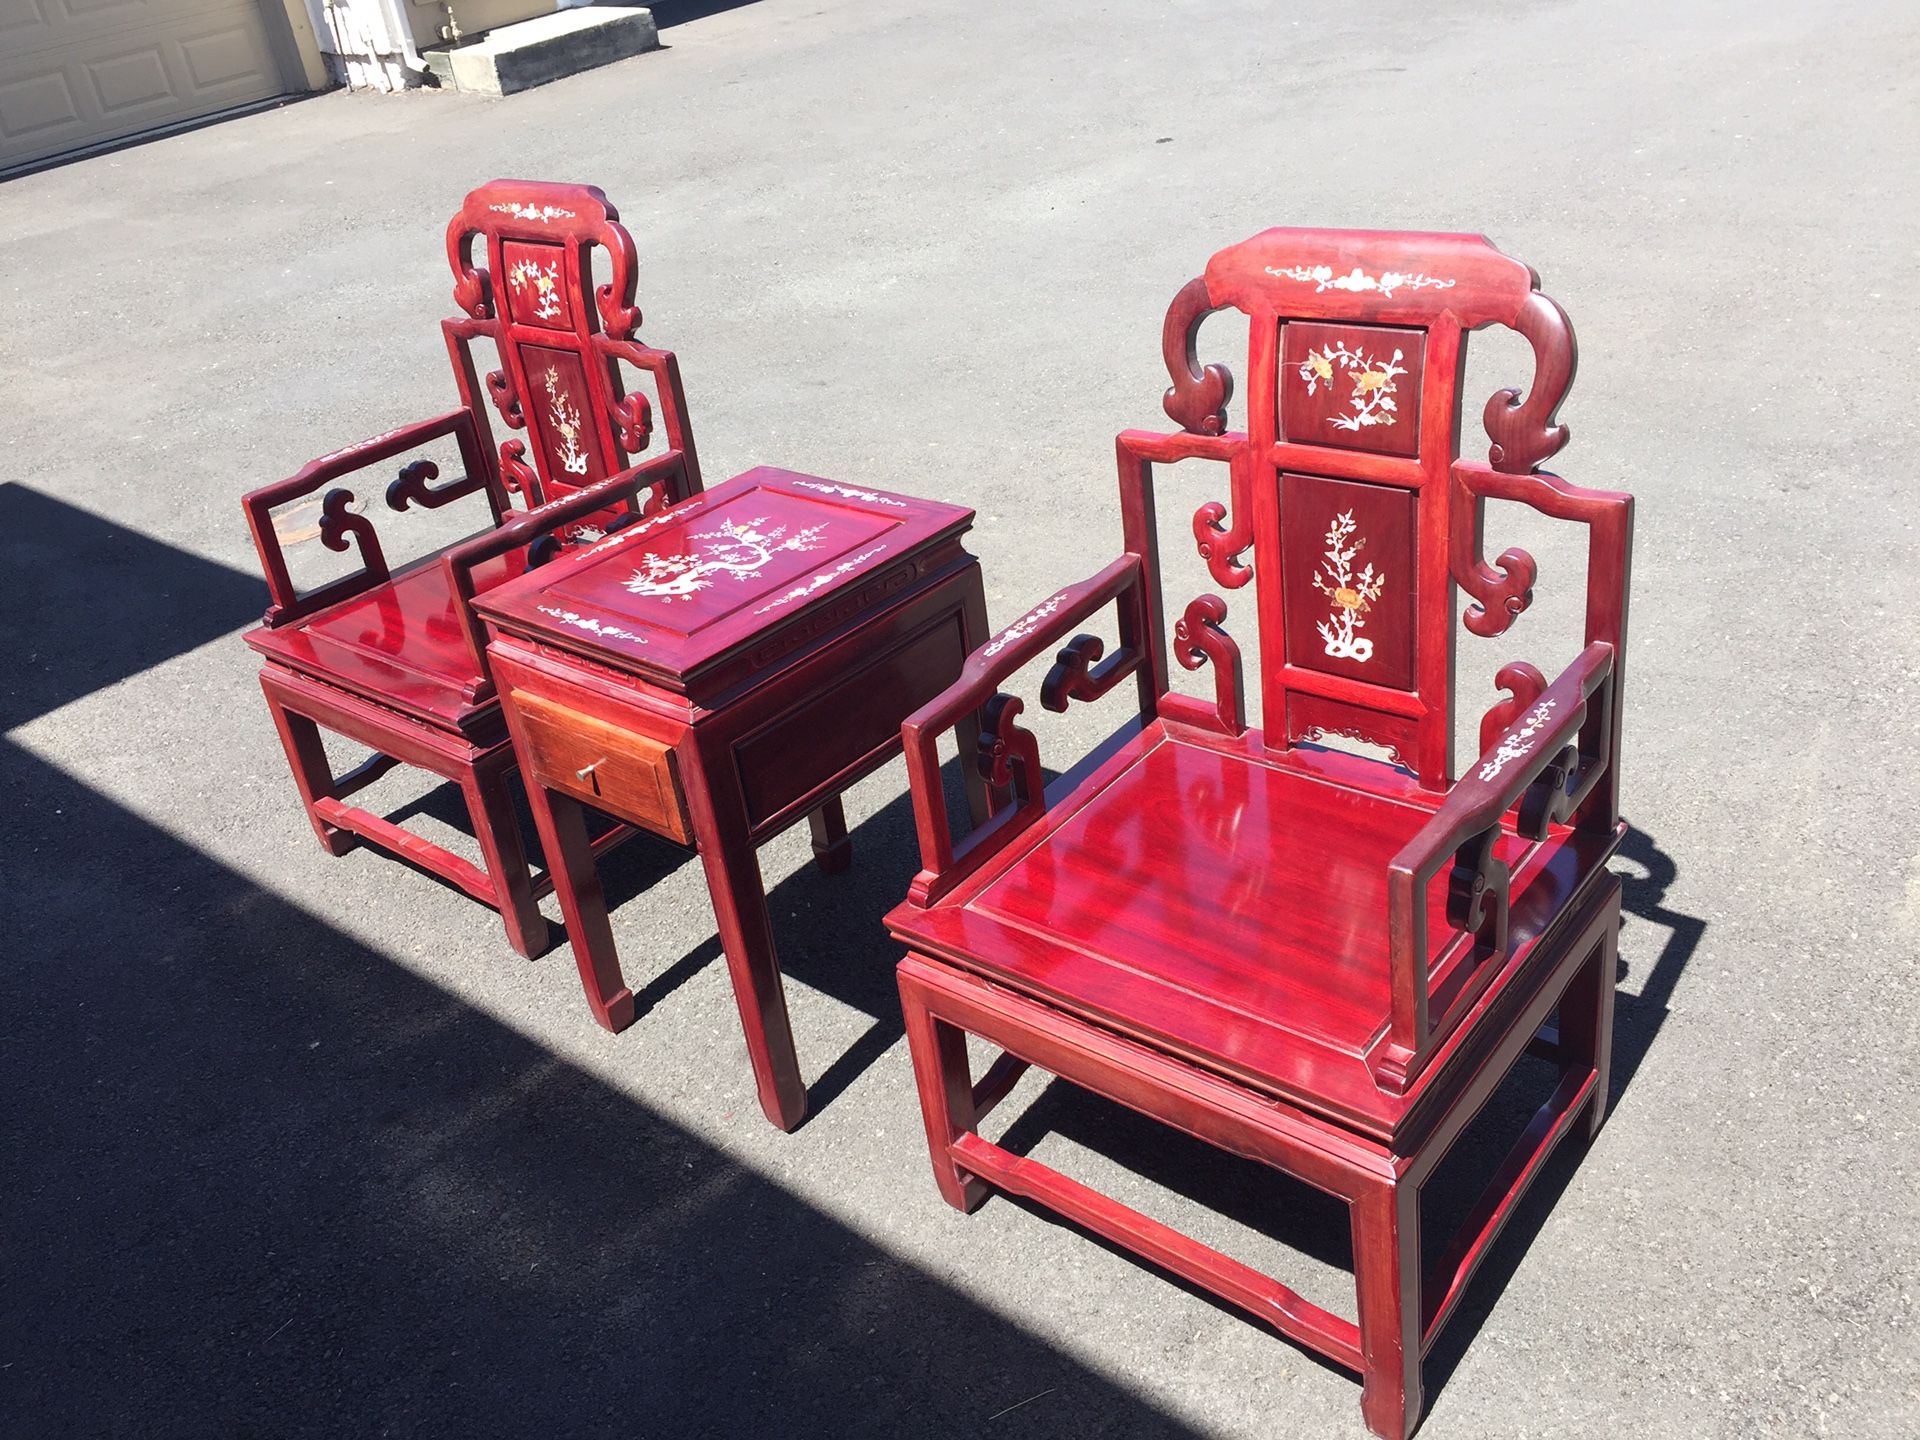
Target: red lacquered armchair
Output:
{"points": [[1319, 960], [395, 659]]}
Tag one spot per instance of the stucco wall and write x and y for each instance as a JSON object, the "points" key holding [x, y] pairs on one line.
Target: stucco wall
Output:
{"points": [[377, 43]]}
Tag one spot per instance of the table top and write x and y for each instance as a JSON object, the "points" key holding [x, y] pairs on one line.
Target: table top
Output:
{"points": [[768, 551]]}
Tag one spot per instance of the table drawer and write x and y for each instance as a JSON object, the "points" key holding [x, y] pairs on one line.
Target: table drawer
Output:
{"points": [[632, 776]]}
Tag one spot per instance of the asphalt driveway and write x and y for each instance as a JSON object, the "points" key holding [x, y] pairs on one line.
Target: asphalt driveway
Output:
{"points": [[293, 1145]]}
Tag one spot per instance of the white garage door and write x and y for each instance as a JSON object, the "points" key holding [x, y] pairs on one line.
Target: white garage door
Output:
{"points": [[78, 72]]}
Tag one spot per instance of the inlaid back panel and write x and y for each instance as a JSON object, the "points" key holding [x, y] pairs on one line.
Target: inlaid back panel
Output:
{"points": [[1346, 487], [560, 340]]}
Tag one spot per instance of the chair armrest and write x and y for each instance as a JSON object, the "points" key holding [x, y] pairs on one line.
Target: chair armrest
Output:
{"points": [[523, 529], [1007, 753], [1502, 590], [1548, 760], [338, 523], [633, 416]]}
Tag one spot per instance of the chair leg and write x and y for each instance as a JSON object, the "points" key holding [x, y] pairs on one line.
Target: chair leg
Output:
{"points": [[497, 828], [1586, 1022], [1386, 1264], [832, 848], [945, 1083], [312, 774]]}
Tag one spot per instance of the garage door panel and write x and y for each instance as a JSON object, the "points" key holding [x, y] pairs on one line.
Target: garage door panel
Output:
{"points": [[18, 16], [125, 82], [224, 57], [78, 72], [40, 26], [35, 104]]}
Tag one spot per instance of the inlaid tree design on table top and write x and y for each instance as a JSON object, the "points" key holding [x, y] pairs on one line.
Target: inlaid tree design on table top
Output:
{"points": [[740, 549]]}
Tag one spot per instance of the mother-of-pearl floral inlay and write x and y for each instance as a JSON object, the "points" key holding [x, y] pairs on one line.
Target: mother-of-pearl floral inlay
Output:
{"points": [[589, 624], [851, 492], [1321, 277], [737, 549], [822, 580], [1352, 594], [541, 283], [1518, 741], [1372, 401], [522, 211], [564, 416], [1024, 626]]}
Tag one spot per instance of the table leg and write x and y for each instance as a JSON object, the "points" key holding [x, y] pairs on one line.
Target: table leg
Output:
{"points": [[746, 935], [832, 849], [562, 824]]}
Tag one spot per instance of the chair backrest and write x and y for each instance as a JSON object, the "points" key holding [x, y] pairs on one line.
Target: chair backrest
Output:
{"points": [[560, 339], [1347, 490]]}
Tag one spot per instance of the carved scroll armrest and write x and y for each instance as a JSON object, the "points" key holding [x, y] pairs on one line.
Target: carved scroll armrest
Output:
{"points": [[1007, 753], [633, 414], [1503, 589], [529, 527], [1547, 761], [338, 522]]}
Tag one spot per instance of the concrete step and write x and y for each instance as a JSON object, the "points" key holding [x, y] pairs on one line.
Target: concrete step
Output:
{"points": [[547, 47]]}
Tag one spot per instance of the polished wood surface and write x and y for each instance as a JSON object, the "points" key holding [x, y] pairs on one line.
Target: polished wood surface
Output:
{"points": [[625, 773], [732, 581], [561, 340], [1325, 961], [395, 660], [401, 641], [714, 673]]}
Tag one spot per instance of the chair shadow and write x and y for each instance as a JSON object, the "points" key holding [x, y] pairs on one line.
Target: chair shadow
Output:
{"points": [[277, 1183], [628, 871], [830, 930], [1306, 1220]]}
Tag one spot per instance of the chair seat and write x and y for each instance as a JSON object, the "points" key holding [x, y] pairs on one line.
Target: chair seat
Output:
{"points": [[1226, 906], [399, 644]]}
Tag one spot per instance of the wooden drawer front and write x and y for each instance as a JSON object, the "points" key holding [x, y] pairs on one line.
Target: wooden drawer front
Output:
{"points": [[858, 713], [628, 775]]}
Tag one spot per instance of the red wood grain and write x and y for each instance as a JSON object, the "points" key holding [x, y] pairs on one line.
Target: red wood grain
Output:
{"points": [[395, 659], [1324, 962], [782, 628]]}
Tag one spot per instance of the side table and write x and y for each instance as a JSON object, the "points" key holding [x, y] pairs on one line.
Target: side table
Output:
{"points": [[712, 674]]}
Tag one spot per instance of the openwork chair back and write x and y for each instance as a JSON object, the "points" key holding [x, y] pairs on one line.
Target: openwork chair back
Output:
{"points": [[1349, 502], [560, 338], [1350, 518]]}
